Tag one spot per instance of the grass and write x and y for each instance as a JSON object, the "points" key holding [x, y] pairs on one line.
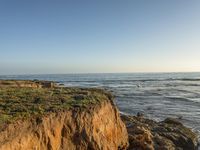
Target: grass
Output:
{"points": [[18, 103]]}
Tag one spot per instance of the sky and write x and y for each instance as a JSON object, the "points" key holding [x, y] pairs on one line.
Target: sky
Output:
{"points": [[99, 36]]}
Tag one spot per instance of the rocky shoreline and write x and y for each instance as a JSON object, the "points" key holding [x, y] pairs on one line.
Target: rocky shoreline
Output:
{"points": [[170, 134]]}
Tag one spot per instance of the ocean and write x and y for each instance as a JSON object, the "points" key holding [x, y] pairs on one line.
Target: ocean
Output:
{"points": [[156, 95]]}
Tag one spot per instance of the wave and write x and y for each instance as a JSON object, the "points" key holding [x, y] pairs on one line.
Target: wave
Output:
{"points": [[136, 80], [182, 99], [189, 79]]}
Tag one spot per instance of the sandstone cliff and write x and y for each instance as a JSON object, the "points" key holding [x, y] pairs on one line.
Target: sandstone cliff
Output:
{"points": [[96, 126]]}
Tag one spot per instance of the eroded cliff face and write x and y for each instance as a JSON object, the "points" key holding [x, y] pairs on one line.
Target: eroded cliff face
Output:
{"points": [[97, 127]]}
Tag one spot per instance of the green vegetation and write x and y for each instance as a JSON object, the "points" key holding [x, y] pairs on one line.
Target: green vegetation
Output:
{"points": [[18, 103]]}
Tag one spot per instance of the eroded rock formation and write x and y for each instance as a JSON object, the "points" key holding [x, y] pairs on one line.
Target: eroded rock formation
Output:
{"points": [[170, 134], [97, 127]]}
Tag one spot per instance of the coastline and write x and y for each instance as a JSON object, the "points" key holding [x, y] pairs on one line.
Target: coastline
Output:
{"points": [[158, 95], [143, 133]]}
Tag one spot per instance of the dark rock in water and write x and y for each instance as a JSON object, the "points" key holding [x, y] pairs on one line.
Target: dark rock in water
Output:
{"points": [[172, 121], [180, 117], [140, 114], [170, 134]]}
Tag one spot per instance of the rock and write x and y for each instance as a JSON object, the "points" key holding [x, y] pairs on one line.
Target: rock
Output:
{"points": [[170, 134], [141, 138], [140, 114], [180, 135], [98, 127], [172, 121], [26, 83]]}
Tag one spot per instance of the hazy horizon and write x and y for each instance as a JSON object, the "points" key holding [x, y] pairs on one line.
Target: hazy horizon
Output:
{"points": [[79, 73], [61, 37]]}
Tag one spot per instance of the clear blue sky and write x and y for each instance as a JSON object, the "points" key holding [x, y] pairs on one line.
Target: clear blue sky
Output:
{"points": [[81, 36]]}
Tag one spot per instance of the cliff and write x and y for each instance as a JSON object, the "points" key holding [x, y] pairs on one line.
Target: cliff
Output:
{"points": [[59, 118]]}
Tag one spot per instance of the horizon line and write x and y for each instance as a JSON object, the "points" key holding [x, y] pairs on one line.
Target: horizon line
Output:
{"points": [[154, 72]]}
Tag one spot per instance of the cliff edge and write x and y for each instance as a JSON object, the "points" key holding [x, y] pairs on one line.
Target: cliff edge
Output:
{"points": [[59, 118]]}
